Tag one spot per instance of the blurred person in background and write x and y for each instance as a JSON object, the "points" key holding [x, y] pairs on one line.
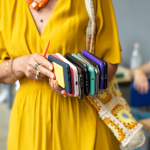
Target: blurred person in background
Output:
{"points": [[140, 78]]}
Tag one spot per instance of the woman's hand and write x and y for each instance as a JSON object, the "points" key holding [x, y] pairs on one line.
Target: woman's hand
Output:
{"points": [[57, 88], [44, 66], [141, 83]]}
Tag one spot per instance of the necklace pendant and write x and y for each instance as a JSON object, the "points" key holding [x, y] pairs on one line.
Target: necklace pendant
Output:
{"points": [[29, 2], [43, 3], [40, 6], [35, 5]]}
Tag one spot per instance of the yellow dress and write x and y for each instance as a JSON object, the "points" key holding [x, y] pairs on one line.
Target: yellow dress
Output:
{"points": [[40, 118]]}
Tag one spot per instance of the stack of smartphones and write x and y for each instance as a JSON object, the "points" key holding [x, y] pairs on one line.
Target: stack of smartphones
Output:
{"points": [[79, 74]]}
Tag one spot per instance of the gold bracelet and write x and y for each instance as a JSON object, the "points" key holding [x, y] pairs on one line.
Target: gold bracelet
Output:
{"points": [[12, 69], [8, 72]]}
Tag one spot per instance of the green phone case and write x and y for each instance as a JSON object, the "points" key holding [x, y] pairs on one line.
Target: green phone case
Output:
{"points": [[92, 75]]}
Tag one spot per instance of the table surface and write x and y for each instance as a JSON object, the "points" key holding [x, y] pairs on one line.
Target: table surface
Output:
{"points": [[126, 78]]}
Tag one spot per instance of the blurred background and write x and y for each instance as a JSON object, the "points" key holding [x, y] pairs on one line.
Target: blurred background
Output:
{"points": [[134, 26], [133, 23]]}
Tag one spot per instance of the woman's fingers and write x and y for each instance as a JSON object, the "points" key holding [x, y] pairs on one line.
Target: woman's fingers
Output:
{"points": [[35, 62], [41, 75], [31, 71], [44, 66], [63, 92], [46, 56], [52, 84], [46, 72], [57, 88], [33, 76], [43, 61]]}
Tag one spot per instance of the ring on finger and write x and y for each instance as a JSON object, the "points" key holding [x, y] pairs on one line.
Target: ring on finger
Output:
{"points": [[35, 66], [37, 73], [36, 77], [64, 95]]}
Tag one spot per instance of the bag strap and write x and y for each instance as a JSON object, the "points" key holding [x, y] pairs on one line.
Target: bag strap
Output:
{"points": [[91, 28]]}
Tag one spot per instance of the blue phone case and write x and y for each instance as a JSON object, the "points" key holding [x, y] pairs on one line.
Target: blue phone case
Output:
{"points": [[92, 75], [67, 75]]}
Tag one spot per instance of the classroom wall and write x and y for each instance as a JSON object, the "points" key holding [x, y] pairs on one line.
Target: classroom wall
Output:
{"points": [[133, 21]]}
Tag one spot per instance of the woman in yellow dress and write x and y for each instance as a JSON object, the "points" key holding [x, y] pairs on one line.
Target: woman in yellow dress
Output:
{"points": [[41, 117]]}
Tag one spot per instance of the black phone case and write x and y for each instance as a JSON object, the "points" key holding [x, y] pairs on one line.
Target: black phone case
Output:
{"points": [[85, 73], [81, 85], [67, 75], [105, 70], [83, 63]]}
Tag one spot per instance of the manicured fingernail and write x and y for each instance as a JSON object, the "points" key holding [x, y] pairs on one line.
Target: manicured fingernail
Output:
{"points": [[50, 67], [51, 76]]}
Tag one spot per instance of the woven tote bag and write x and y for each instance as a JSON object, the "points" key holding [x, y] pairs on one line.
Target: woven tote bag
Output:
{"points": [[109, 103]]}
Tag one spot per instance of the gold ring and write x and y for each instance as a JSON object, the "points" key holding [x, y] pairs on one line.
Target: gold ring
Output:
{"points": [[37, 73], [36, 65], [36, 77]]}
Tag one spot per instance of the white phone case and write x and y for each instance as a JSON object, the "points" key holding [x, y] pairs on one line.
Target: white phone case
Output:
{"points": [[75, 73]]}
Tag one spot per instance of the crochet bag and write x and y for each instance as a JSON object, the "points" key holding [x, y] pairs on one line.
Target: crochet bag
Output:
{"points": [[109, 103]]}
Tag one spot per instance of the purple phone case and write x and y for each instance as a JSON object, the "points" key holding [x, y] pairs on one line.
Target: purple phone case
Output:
{"points": [[87, 54]]}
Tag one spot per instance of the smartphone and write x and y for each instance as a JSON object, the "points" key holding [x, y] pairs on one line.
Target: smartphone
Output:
{"points": [[78, 68], [66, 71], [97, 72], [105, 70], [100, 63], [75, 74], [81, 85], [94, 63], [92, 75], [80, 82], [85, 72], [82, 62], [72, 75]]}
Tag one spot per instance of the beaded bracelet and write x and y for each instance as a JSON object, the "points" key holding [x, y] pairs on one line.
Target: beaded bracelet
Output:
{"points": [[8, 72]]}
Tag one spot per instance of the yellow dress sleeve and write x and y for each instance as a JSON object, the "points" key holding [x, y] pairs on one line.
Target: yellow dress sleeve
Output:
{"points": [[3, 52], [107, 44]]}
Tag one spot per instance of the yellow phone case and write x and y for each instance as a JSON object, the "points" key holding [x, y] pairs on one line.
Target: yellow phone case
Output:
{"points": [[59, 73]]}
